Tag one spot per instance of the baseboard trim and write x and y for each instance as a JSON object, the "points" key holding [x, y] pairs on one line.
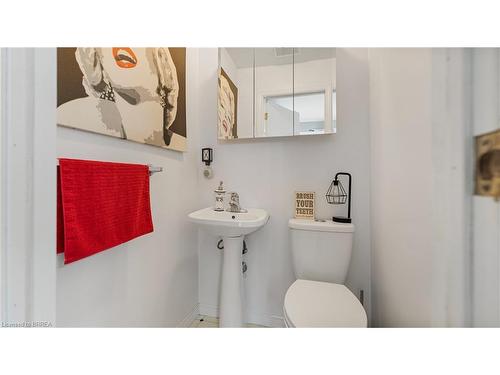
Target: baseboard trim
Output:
{"points": [[253, 317], [209, 310], [190, 317], [267, 320]]}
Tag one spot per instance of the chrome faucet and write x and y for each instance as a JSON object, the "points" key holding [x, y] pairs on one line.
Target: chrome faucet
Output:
{"points": [[234, 202]]}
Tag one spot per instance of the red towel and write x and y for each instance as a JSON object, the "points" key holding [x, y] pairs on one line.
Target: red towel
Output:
{"points": [[100, 205]]}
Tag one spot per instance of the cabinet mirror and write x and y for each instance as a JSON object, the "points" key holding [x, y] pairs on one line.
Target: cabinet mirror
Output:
{"points": [[275, 92]]}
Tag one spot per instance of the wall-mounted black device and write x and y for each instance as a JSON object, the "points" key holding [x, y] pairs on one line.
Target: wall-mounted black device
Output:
{"points": [[207, 155]]}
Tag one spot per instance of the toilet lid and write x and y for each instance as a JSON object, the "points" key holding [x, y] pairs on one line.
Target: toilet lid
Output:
{"points": [[319, 304]]}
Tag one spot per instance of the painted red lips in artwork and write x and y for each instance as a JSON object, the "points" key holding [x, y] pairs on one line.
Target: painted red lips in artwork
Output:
{"points": [[124, 57]]}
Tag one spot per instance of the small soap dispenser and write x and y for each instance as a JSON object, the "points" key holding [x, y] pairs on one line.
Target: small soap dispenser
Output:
{"points": [[219, 198]]}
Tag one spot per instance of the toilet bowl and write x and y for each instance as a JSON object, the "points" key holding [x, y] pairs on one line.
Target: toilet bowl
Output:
{"points": [[312, 304], [321, 254]]}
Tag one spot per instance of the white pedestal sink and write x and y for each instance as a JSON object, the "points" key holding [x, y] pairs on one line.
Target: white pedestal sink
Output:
{"points": [[232, 227]]}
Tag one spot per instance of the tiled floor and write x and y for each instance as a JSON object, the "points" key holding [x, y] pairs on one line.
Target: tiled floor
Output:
{"points": [[203, 321]]}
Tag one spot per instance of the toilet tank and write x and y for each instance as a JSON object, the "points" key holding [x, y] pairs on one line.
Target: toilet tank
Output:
{"points": [[321, 250]]}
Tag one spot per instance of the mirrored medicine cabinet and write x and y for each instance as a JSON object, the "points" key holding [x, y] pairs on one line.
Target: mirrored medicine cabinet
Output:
{"points": [[276, 92]]}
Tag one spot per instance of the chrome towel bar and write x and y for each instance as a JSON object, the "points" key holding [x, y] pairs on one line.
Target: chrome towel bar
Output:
{"points": [[153, 169]]}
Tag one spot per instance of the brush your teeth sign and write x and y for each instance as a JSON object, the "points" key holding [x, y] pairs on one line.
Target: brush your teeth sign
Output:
{"points": [[304, 204]]}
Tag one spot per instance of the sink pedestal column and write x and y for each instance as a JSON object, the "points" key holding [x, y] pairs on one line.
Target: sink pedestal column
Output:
{"points": [[231, 304]]}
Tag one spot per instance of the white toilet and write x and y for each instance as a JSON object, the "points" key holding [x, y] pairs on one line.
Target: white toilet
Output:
{"points": [[321, 253]]}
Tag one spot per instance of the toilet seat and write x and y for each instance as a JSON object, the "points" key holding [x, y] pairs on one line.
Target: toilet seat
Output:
{"points": [[318, 304]]}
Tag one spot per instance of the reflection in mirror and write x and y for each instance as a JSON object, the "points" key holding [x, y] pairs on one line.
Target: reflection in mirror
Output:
{"points": [[307, 111], [315, 91], [278, 115], [310, 109], [235, 95], [273, 85]]}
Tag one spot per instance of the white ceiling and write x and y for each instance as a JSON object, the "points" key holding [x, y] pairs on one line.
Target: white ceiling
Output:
{"points": [[244, 57]]}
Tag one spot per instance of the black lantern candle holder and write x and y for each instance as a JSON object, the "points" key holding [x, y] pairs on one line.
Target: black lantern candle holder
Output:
{"points": [[336, 194]]}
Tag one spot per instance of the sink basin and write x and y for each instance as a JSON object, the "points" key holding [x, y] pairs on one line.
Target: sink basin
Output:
{"points": [[229, 224], [232, 227]]}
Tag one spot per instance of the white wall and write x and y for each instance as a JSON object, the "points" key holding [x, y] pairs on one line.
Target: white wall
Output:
{"points": [[2, 168], [266, 172], [28, 185], [486, 270], [420, 196], [151, 280]]}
